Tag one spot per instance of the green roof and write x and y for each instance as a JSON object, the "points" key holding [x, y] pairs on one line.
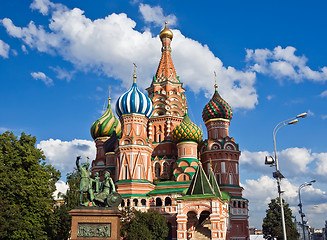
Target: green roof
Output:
{"points": [[213, 182], [167, 190], [172, 183], [134, 195], [200, 183]]}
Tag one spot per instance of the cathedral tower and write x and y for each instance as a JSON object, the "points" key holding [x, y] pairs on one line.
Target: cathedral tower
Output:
{"points": [[134, 171], [169, 104]]}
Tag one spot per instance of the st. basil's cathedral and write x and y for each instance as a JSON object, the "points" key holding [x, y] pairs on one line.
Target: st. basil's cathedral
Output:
{"points": [[159, 160]]}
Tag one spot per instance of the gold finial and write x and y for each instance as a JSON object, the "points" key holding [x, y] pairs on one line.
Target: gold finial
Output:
{"points": [[109, 98], [216, 86], [134, 75], [166, 33]]}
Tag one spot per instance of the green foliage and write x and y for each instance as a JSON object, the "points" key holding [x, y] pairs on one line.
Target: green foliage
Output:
{"points": [[26, 188], [60, 221], [272, 225], [136, 225]]}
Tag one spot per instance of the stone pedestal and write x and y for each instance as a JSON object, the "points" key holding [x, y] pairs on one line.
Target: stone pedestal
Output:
{"points": [[91, 223]]}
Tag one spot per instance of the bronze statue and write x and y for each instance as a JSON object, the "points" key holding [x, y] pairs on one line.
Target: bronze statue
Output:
{"points": [[104, 194], [85, 185]]}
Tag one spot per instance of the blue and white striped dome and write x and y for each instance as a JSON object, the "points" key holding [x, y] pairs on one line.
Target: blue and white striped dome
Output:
{"points": [[134, 101]]}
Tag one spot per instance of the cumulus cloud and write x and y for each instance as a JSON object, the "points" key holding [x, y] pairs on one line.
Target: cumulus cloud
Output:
{"points": [[44, 78], [292, 162], [282, 63], [62, 154], [155, 15], [4, 49], [88, 44], [61, 188], [260, 191]]}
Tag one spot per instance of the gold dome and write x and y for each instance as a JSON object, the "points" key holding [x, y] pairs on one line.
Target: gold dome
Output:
{"points": [[166, 33]]}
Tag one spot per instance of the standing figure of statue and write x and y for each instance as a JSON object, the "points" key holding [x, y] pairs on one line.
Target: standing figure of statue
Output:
{"points": [[85, 185], [107, 188]]}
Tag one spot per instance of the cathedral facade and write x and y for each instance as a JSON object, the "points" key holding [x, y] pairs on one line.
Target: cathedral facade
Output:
{"points": [[159, 160]]}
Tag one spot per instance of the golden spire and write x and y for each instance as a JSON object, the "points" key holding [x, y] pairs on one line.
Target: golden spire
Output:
{"points": [[216, 86], [109, 98], [134, 75]]}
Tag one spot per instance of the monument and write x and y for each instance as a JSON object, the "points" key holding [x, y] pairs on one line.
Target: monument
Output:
{"points": [[98, 216]]}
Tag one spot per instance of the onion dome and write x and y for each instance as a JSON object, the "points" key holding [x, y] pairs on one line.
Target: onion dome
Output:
{"points": [[166, 33], [187, 131], [106, 124], [217, 107], [134, 101]]}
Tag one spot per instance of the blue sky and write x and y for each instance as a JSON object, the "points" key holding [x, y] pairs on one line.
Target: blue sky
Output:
{"points": [[57, 59]]}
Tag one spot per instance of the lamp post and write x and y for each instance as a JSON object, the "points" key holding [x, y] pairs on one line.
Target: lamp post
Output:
{"points": [[300, 204], [273, 161]]}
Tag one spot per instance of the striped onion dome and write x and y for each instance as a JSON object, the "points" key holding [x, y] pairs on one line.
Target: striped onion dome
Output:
{"points": [[134, 101], [187, 131], [106, 124], [217, 107]]}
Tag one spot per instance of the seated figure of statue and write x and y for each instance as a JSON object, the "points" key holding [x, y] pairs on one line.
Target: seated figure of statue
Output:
{"points": [[107, 187]]}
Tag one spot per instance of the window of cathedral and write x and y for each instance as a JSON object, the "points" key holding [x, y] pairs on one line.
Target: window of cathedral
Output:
{"points": [[218, 178], [128, 203], [165, 167], [236, 168], [230, 179], [239, 204], [158, 202], [167, 201], [234, 204], [157, 169], [135, 202], [223, 169], [143, 202], [122, 203]]}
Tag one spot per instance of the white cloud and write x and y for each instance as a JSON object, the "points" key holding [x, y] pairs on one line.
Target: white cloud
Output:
{"points": [[323, 94], [61, 187], [24, 48], [62, 154], [270, 97], [321, 163], [63, 74], [88, 45], [324, 117], [4, 49], [296, 160], [44, 78], [283, 63], [260, 191], [155, 15]]}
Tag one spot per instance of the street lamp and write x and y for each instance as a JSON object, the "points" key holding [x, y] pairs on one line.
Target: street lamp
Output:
{"points": [[300, 204], [273, 161]]}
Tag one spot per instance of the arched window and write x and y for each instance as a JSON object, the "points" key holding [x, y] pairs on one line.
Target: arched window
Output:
{"points": [[234, 204], [230, 179], [165, 167], [167, 201], [143, 202], [135, 201], [157, 170], [128, 203], [158, 202], [122, 204], [239, 204], [244, 205]]}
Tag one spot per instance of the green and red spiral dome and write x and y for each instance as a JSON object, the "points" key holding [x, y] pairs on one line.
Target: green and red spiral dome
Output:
{"points": [[187, 131], [217, 107]]}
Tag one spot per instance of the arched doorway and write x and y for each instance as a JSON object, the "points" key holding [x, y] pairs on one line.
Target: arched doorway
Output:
{"points": [[192, 221], [204, 225]]}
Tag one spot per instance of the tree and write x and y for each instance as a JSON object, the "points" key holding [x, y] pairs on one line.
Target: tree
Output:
{"points": [[137, 225], [272, 225], [60, 221], [26, 188]]}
